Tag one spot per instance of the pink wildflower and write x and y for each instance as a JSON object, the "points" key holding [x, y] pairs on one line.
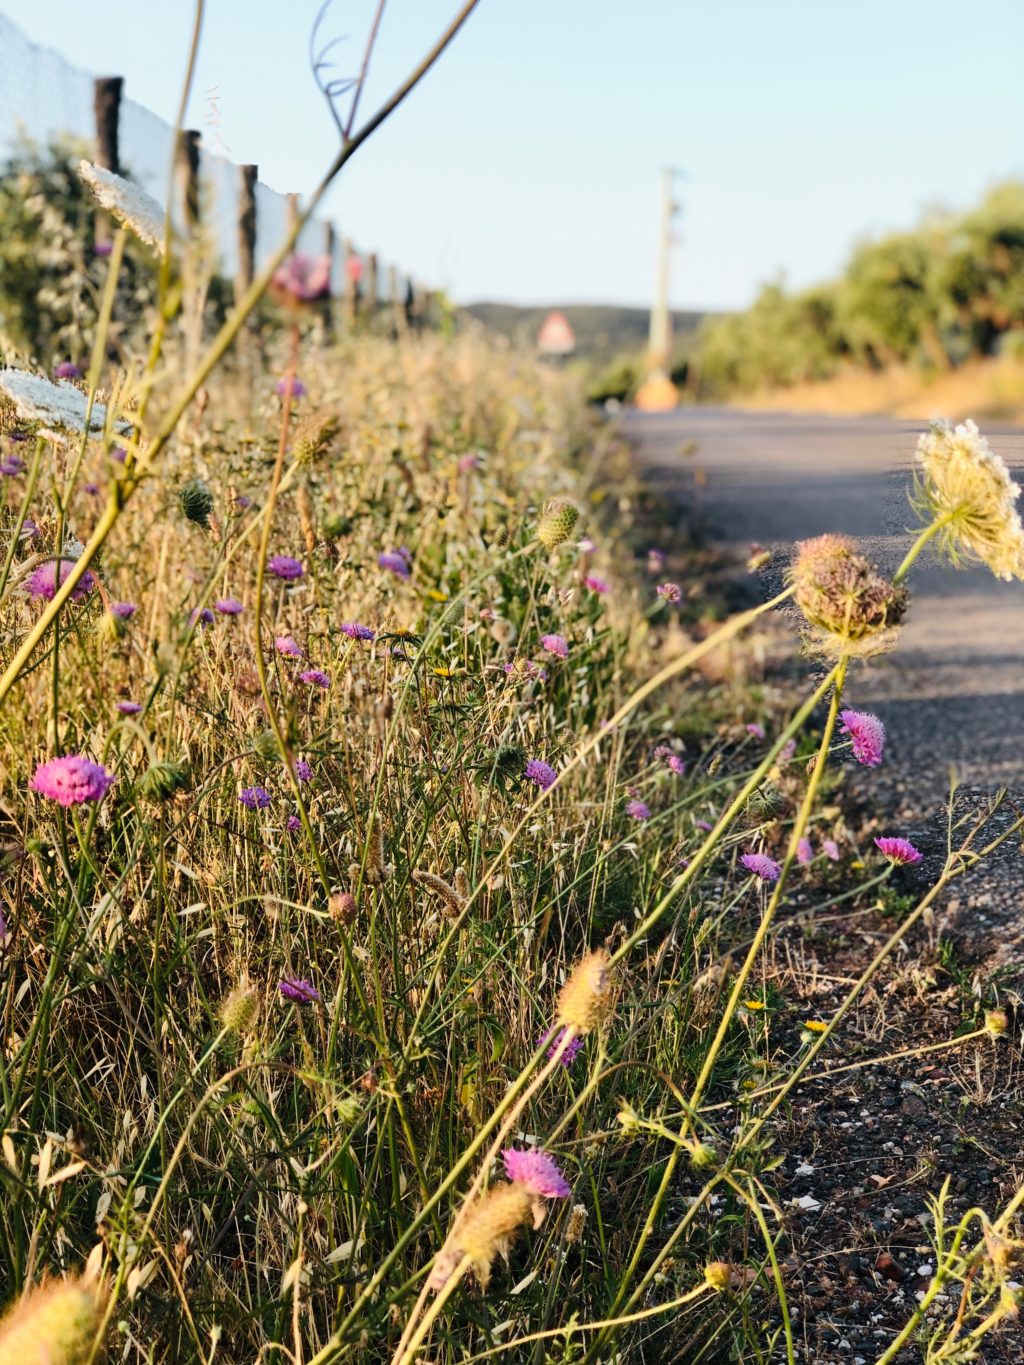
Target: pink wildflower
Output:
{"points": [[671, 592], [255, 798], [201, 617], [42, 582], [129, 708], [541, 773], [468, 462], [755, 729], [286, 567], [294, 384], [804, 852], [315, 677], [868, 735], [284, 644], [830, 849], [638, 810], [656, 560], [597, 585], [66, 370], [571, 1050], [536, 1172], [299, 990], [898, 851], [761, 866], [229, 606], [395, 562], [72, 780], [556, 645], [303, 279], [124, 611], [355, 631], [292, 824], [303, 771]]}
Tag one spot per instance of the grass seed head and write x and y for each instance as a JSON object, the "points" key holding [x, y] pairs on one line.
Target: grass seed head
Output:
{"points": [[487, 1230], [587, 998], [557, 523], [55, 1325], [239, 1009]]}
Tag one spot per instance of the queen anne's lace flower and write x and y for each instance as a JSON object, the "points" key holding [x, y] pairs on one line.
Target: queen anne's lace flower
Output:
{"points": [[129, 203]]}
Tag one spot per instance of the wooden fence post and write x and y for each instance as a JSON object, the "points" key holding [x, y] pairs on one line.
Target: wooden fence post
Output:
{"points": [[353, 275], [247, 177], [106, 103], [372, 286], [328, 308], [187, 160], [399, 321]]}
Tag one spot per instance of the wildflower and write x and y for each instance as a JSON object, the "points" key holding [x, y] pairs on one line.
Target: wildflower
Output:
{"points": [[844, 596], [394, 562], [656, 561], [313, 438], [66, 370], [868, 735], [302, 279], [586, 999], [718, 1274], [102, 248], [355, 631], [11, 466], [753, 1005], [997, 1023], [787, 751], [229, 606], [962, 484], [804, 852], [830, 849], [255, 798], [585, 545], [284, 644], [43, 581], [536, 1172], [767, 869], [671, 592], [72, 780], [542, 773], [118, 454], [556, 645], [129, 708], [124, 611], [303, 771], [300, 990], [638, 810], [753, 728], [91, 488], [285, 567], [487, 1229], [239, 1009], [597, 585], [899, 852], [467, 463], [342, 906], [815, 1026], [129, 204], [315, 677], [557, 523], [55, 1324], [294, 386], [293, 824], [703, 825], [571, 1050], [525, 668], [200, 618]]}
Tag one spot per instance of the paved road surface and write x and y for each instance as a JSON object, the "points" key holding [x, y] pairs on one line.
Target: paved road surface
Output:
{"points": [[953, 691]]}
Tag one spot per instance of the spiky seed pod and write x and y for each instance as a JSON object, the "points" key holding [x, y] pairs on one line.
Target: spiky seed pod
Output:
{"points": [[448, 894], [718, 1274], [557, 523], [55, 1325], [486, 1231], [844, 596], [347, 1110], [197, 502], [239, 1009], [587, 997], [164, 779], [509, 762], [342, 907], [313, 437], [304, 504], [575, 1224]]}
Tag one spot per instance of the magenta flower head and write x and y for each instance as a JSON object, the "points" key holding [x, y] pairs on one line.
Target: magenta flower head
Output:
{"points": [[295, 385], [302, 279], [656, 560], [315, 677], [255, 798], [229, 606], [42, 582], [124, 611], [830, 849], [394, 562], [285, 567], [556, 645], [72, 780], [899, 852], [66, 370], [355, 631], [671, 592], [755, 729], [541, 773], [467, 463], [91, 488], [292, 824], [303, 771], [761, 866], [638, 810], [299, 990], [284, 644], [868, 735], [200, 617], [129, 708], [12, 465], [597, 585], [804, 852], [536, 1172], [102, 248], [571, 1051]]}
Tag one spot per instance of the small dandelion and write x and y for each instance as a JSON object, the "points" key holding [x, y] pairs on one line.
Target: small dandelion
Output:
{"points": [[72, 780], [541, 773], [867, 734], [761, 866], [255, 798], [299, 990], [899, 852], [556, 645]]}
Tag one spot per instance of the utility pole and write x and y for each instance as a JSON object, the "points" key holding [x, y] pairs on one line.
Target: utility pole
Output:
{"points": [[658, 393]]}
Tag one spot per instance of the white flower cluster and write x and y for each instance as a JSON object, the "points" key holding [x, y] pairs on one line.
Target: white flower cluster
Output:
{"points": [[59, 407], [129, 204], [964, 485]]}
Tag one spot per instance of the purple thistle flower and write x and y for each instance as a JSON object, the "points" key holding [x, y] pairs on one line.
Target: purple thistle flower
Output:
{"points": [[102, 248], [12, 465], [638, 810], [830, 849], [286, 567], [804, 852], [536, 1172], [867, 734], [201, 617], [597, 585], [129, 708], [66, 370], [255, 798], [315, 677], [303, 771], [671, 592], [355, 631], [292, 824], [676, 764], [572, 1049], [297, 989], [72, 780], [556, 645], [91, 488], [229, 606], [755, 729], [303, 279], [899, 852], [243, 501], [284, 644], [703, 824], [124, 611], [29, 530], [42, 582], [295, 384], [118, 454], [395, 562], [761, 866], [542, 773]]}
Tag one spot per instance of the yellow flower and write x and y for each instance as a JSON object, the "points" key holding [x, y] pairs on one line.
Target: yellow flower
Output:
{"points": [[436, 595], [815, 1026], [753, 1004], [443, 672]]}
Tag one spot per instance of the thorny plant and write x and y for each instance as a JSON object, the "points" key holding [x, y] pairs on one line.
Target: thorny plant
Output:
{"points": [[286, 908]]}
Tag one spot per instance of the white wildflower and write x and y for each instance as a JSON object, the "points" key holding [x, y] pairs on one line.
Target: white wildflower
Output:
{"points": [[59, 407], [129, 203], [964, 485]]}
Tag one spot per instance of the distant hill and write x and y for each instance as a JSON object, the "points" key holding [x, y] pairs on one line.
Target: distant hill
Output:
{"points": [[603, 331]]}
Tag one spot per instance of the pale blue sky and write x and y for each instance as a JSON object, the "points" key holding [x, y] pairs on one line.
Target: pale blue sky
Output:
{"points": [[526, 166]]}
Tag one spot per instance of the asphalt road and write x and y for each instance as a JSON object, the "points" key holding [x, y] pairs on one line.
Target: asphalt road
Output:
{"points": [[952, 693]]}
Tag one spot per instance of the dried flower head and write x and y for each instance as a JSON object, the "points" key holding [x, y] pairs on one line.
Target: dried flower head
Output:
{"points": [[961, 483], [196, 502], [128, 203], [484, 1232], [848, 602], [451, 897], [313, 437], [557, 523], [588, 996], [239, 1009]]}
